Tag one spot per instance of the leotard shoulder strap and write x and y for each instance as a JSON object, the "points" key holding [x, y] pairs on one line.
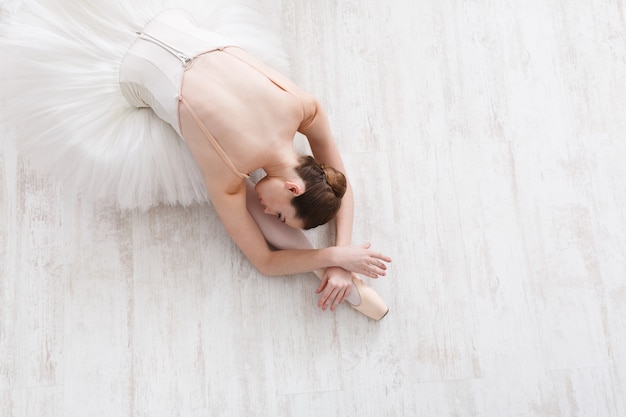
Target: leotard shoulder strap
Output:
{"points": [[214, 142]]}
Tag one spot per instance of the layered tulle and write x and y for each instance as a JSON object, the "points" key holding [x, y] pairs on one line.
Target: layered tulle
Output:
{"points": [[59, 89]]}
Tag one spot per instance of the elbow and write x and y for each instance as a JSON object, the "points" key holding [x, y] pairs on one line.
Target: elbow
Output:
{"points": [[262, 259], [265, 267], [268, 271]]}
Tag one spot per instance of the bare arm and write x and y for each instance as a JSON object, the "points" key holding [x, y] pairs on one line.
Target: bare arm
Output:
{"points": [[231, 207], [317, 130], [337, 282]]}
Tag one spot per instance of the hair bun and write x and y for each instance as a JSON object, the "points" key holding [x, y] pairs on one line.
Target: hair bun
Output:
{"points": [[335, 179], [324, 188]]}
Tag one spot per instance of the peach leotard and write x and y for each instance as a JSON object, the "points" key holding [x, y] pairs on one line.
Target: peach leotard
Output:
{"points": [[152, 72]]}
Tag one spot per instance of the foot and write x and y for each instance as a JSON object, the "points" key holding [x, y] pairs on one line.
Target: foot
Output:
{"points": [[369, 302]]}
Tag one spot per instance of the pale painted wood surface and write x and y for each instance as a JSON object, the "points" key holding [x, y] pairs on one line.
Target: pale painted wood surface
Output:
{"points": [[487, 144]]}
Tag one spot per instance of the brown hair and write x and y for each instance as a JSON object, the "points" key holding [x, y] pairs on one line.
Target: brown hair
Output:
{"points": [[324, 188]]}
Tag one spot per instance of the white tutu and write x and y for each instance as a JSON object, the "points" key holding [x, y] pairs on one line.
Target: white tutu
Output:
{"points": [[59, 88]]}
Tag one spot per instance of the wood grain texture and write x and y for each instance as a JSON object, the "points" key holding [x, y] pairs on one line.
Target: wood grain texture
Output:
{"points": [[486, 144]]}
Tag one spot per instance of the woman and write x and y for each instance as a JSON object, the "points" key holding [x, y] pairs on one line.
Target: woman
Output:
{"points": [[237, 115]]}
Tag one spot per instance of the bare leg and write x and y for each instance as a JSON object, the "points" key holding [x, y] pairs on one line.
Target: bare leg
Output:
{"points": [[281, 236]]}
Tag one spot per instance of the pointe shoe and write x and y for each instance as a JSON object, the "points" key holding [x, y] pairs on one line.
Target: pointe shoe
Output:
{"points": [[371, 304]]}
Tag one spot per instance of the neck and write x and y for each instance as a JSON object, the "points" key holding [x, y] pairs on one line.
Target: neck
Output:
{"points": [[283, 166]]}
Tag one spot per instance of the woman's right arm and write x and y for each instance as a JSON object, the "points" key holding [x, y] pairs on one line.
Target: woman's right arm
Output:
{"points": [[231, 208]]}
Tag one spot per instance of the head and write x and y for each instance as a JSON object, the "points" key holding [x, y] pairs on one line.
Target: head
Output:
{"points": [[308, 201], [324, 188]]}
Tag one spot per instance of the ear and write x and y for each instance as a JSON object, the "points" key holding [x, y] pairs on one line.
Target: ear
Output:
{"points": [[294, 188]]}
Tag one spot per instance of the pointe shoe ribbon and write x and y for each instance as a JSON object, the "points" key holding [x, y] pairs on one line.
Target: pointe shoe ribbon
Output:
{"points": [[371, 304]]}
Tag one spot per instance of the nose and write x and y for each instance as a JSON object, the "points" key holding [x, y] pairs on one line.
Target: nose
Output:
{"points": [[266, 210]]}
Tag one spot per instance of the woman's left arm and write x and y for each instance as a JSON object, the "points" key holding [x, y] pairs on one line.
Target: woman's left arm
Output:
{"points": [[337, 282], [317, 130]]}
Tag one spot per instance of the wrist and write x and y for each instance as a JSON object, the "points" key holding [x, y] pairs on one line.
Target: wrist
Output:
{"points": [[332, 256], [341, 239]]}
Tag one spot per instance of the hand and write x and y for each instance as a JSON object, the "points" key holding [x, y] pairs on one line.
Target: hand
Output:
{"points": [[335, 287], [362, 260]]}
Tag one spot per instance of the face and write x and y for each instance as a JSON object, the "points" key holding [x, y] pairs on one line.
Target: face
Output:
{"points": [[275, 196]]}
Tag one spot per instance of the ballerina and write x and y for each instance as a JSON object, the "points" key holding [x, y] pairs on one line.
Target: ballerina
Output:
{"points": [[228, 115]]}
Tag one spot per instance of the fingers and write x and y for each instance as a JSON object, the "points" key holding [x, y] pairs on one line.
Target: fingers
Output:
{"points": [[335, 290], [325, 290], [376, 266], [373, 273], [322, 285], [338, 301], [334, 299], [328, 297], [382, 257], [331, 300], [376, 255], [374, 269]]}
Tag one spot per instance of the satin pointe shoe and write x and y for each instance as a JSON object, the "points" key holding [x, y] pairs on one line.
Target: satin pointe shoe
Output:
{"points": [[371, 304]]}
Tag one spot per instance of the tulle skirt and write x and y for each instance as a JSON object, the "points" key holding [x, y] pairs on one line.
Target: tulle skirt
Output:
{"points": [[59, 89]]}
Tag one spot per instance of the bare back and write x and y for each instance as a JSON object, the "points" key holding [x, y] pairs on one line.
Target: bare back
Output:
{"points": [[251, 110], [235, 113]]}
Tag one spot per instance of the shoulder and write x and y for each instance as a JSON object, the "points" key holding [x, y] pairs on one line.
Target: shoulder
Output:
{"points": [[311, 107]]}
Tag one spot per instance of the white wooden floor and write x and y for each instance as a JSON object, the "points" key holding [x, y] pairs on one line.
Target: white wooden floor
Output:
{"points": [[487, 143]]}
